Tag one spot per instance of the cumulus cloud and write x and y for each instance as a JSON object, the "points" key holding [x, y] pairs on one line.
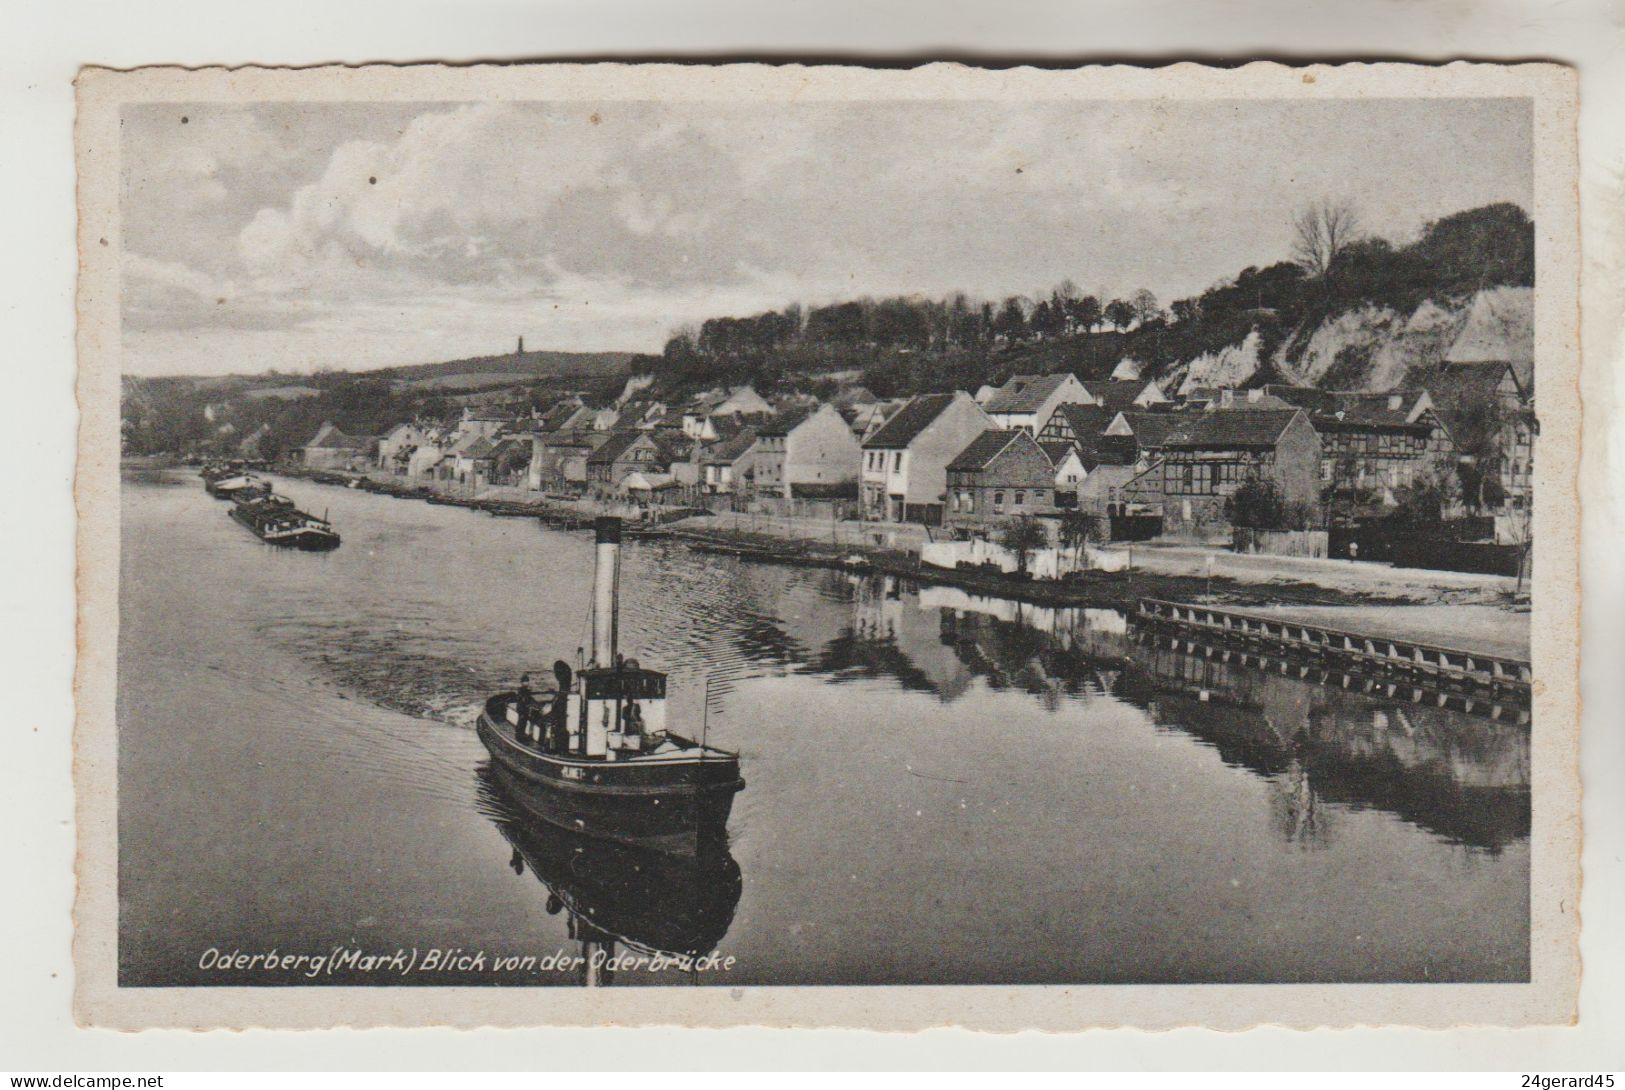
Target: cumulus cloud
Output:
{"points": [[604, 227]]}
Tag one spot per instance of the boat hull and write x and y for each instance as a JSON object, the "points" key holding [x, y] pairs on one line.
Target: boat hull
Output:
{"points": [[676, 806]]}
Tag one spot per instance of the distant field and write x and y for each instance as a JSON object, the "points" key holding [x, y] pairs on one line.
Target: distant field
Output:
{"points": [[471, 381], [286, 393]]}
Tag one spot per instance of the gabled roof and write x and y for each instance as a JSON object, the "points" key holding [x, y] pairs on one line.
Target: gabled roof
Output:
{"points": [[1303, 397], [1086, 421], [618, 443], [329, 437], [906, 424], [479, 448], [1025, 393], [1117, 394], [1235, 429], [1387, 409], [1156, 429], [1056, 450], [787, 420], [984, 448], [730, 450], [1450, 383], [570, 437], [672, 444]]}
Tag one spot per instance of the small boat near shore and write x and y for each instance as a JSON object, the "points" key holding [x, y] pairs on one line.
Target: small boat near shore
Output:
{"points": [[276, 521], [597, 757]]}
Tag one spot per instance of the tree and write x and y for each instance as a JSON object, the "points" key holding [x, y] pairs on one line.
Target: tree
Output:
{"points": [[1120, 313], [1024, 537], [1186, 311], [1048, 320], [1086, 313], [1478, 429], [1145, 306], [1078, 529], [1011, 324], [1321, 231], [1257, 505]]}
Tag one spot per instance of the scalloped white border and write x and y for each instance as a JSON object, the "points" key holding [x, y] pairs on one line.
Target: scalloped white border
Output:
{"points": [[1548, 999]]}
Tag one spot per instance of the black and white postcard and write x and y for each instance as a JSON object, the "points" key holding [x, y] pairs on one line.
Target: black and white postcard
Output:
{"points": [[822, 546]]}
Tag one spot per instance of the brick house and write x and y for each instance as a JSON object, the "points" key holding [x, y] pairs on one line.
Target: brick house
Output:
{"points": [[1002, 474]]}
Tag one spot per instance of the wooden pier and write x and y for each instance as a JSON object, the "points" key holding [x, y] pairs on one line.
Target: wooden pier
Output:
{"points": [[1437, 667]]}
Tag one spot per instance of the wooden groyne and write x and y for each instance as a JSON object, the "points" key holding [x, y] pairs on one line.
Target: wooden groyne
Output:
{"points": [[1437, 667]]}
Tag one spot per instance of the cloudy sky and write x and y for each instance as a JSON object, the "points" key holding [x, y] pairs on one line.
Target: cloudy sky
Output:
{"points": [[363, 235]]}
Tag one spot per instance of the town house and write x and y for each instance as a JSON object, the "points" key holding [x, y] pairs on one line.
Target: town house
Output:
{"points": [[1070, 471], [1472, 395], [1002, 475], [806, 451], [1085, 428], [1028, 401], [330, 448], [725, 465], [559, 459], [395, 448], [905, 461], [1204, 464], [1372, 444], [621, 454]]}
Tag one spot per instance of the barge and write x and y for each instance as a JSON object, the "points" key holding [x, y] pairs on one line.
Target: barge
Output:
{"points": [[276, 521]]}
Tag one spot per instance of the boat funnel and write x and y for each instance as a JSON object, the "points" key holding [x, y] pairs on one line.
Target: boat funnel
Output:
{"points": [[605, 590]]}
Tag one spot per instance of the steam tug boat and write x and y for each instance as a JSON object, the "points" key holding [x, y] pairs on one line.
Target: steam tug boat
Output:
{"points": [[276, 521], [598, 758]]}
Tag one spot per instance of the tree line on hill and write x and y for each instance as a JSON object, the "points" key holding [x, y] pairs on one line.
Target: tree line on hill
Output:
{"points": [[909, 345]]}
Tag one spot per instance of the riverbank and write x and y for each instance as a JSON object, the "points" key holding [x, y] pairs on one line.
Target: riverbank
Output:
{"points": [[1456, 608]]}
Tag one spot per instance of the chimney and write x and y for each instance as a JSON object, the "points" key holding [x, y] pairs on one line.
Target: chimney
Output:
{"points": [[605, 590], [520, 351]]}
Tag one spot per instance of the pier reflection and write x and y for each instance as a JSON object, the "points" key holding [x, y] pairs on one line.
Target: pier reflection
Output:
{"points": [[1456, 768], [618, 898]]}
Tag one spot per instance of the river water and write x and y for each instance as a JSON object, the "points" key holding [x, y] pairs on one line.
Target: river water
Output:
{"points": [[941, 789]]}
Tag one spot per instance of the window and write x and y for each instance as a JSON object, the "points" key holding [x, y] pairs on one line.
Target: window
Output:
{"points": [[1021, 498], [897, 461], [970, 502], [998, 501]]}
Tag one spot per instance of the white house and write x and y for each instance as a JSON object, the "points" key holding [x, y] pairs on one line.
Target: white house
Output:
{"points": [[1028, 401], [905, 462], [805, 450]]}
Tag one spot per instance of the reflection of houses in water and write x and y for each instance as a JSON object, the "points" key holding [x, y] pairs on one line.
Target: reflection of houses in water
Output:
{"points": [[619, 898], [1048, 652], [1461, 777], [889, 636]]}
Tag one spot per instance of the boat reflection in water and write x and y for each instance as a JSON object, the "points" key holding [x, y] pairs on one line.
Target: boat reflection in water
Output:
{"points": [[620, 898]]}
